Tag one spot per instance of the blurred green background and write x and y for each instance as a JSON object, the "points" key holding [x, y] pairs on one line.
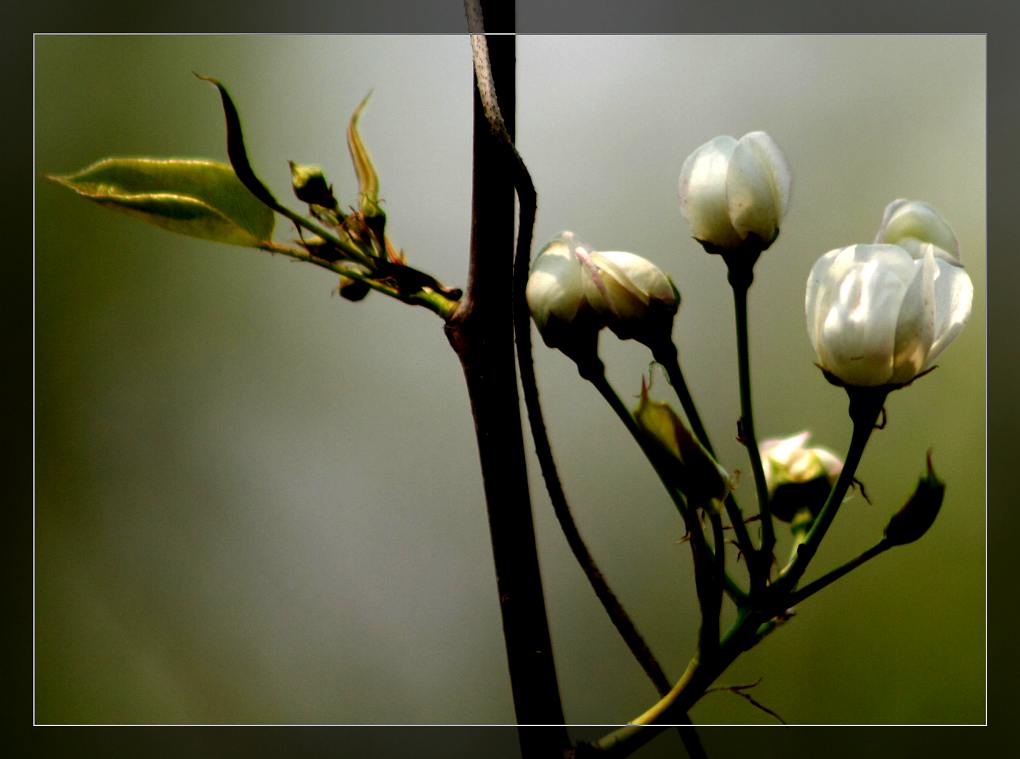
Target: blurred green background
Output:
{"points": [[259, 503]]}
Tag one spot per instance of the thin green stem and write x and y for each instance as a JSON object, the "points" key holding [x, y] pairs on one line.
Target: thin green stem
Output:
{"points": [[825, 580], [720, 562], [865, 407], [741, 276]]}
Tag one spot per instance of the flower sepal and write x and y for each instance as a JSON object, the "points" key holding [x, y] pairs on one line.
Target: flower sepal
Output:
{"points": [[918, 514]]}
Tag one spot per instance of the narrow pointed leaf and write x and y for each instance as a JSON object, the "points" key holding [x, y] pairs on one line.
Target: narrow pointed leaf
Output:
{"points": [[236, 151], [368, 181], [198, 198]]}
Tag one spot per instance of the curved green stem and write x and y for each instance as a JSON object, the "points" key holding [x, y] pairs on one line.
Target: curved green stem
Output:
{"points": [[701, 672]]}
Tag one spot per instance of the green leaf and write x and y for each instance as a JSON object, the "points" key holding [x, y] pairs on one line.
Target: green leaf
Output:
{"points": [[199, 198], [368, 181]]}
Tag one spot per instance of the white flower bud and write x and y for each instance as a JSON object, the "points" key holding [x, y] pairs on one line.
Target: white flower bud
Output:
{"points": [[877, 316], [797, 477], [565, 319], [732, 189], [912, 223], [634, 297]]}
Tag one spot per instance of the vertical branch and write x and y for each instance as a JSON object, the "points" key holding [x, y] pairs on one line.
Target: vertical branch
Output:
{"points": [[481, 332]]}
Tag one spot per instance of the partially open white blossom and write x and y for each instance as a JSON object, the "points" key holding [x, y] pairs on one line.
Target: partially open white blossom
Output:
{"points": [[877, 315], [797, 477], [731, 189], [912, 223], [634, 297], [789, 461]]}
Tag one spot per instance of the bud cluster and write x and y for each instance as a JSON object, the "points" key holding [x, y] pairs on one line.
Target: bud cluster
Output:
{"points": [[573, 291], [357, 236]]}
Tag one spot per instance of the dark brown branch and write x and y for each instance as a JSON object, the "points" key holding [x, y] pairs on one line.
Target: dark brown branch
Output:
{"points": [[527, 200], [481, 332]]}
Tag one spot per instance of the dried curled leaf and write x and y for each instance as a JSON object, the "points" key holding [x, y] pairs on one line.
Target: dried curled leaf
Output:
{"points": [[368, 181], [236, 151], [198, 198]]}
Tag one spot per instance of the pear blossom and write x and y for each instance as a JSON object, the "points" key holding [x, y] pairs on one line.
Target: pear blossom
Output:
{"points": [[634, 297], [732, 190], [879, 316]]}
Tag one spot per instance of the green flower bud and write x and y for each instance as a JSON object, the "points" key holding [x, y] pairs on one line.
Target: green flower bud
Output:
{"points": [[695, 471], [310, 185], [353, 289], [918, 514]]}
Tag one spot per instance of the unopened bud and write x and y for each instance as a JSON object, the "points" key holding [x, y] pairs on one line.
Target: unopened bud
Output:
{"points": [[918, 514], [696, 472], [310, 185], [635, 298], [353, 289], [734, 193], [564, 318]]}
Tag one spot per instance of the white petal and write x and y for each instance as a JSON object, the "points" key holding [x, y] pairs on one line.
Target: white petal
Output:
{"points": [[832, 463], [784, 449], [918, 250], [554, 285], [820, 293], [758, 186], [609, 290], [646, 276], [954, 296], [915, 324], [909, 222], [703, 192], [857, 333]]}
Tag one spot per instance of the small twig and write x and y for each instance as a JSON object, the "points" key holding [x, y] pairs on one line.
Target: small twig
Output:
{"points": [[739, 690]]}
